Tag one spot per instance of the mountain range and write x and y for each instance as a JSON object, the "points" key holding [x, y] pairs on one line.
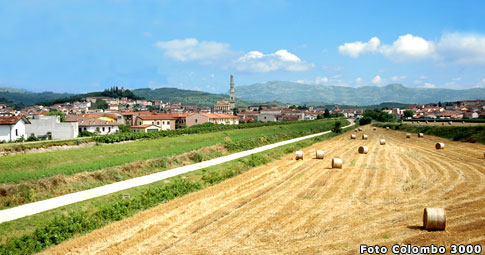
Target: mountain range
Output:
{"points": [[296, 93], [277, 92]]}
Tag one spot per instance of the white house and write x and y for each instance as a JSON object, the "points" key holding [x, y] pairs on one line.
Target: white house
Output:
{"points": [[97, 126], [12, 127], [51, 126]]}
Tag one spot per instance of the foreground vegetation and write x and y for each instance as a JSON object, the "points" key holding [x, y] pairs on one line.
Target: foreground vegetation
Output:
{"points": [[53, 227], [456, 133]]}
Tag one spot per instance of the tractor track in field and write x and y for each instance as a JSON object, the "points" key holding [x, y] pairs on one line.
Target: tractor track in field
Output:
{"points": [[306, 207]]}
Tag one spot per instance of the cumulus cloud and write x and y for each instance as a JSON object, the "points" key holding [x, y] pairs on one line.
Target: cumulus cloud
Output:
{"points": [[376, 80], [397, 78], [191, 49], [354, 49], [255, 61], [460, 48], [429, 85], [408, 46], [358, 80]]}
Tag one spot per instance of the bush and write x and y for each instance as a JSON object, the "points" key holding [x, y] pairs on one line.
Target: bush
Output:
{"points": [[337, 127], [32, 138], [365, 120]]}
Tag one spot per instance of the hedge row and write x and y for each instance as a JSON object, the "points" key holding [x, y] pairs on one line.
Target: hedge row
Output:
{"points": [[455, 133]]}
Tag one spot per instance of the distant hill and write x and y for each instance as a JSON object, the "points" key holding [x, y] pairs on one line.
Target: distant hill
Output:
{"points": [[191, 97], [28, 98], [297, 93]]}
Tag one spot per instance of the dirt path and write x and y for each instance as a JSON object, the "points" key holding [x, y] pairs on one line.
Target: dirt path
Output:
{"points": [[305, 207]]}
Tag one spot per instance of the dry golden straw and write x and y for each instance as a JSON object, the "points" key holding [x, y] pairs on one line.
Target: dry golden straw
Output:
{"points": [[374, 128], [360, 129], [420, 135], [434, 219], [299, 155], [363, 149], [382, 141], [364, 137], [439, 146], [352, 136], [319, 154], [337, 163], [408, 135]]}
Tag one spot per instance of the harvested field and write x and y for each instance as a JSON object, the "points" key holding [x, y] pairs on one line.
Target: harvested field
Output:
{"points": [[454, 123], [305, 207]]}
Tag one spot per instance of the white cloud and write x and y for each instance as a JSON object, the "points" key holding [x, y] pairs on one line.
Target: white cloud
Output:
{"points": [[376, 80], [429, 85], [255, 61], [462, 48], [457, 79], [408, 46], [358, 80], [459, 48], [354, 49], [191, 49], [300, 81]]}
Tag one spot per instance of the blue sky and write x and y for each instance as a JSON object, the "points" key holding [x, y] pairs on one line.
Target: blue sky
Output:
{"points": [[81, 46]]}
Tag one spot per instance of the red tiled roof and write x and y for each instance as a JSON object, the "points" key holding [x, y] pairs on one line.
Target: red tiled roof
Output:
{"points": [[218, 116], [156, 117], [9, 120], [144, 126]]}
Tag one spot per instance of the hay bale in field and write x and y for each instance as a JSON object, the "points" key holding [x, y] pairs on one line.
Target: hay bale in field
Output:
{"points": [[363, 150], [299, 155], [353, 136], [463, 122], [408, 135], [382, 141], [426, 122], [442, 123], [439, 146], [364, 137], [374, 128], [337, 163], [450, 122], [387, 128], [355, 130], [420, 135], [319, 154], [434, 219], [360, 129]]}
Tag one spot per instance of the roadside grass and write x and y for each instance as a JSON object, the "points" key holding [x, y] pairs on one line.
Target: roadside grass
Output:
{"points": [[37, 232], [15, 168], [455, 133]]}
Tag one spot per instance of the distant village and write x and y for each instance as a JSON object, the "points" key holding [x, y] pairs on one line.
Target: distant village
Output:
{"points": [[84, 118]]}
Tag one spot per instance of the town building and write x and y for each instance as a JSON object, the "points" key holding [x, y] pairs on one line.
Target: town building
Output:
{"points": [[12, 127], [201, 118], [51, 127], [164, 121], [145, 128]]}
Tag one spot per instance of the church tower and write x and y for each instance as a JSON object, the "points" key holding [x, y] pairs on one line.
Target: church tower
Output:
{"points": [[232, 102]]}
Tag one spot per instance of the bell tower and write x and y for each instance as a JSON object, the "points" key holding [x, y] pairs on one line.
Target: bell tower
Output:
{"points": [[232, 102]]}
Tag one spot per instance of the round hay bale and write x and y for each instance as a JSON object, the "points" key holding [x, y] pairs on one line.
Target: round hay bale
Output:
{"points": [[434, 219], [450, 122], [442, 123], [420, 135], [408, 135], [439, 146], [387, 128], [364, 137], [374, 128], [382, 141], [353, 136], [355, 130], [463, 122], [299, 155], [337, 163], [363, 150], [319, 154], [426, 122], [360, 129]]}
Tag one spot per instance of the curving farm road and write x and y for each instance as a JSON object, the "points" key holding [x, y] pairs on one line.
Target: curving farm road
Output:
{"points": [[305, 207]]}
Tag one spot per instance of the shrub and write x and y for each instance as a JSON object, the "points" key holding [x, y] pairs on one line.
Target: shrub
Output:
{"points": [[365, 120]]}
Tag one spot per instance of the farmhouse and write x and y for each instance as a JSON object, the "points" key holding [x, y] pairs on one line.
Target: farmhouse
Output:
{"points": [[100, 127], [164, 121], [201, 118], [12, 127]]}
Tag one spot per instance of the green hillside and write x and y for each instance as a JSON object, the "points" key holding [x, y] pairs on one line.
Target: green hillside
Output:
{"points": [[199, 98], [28, 98], [296, 93]]}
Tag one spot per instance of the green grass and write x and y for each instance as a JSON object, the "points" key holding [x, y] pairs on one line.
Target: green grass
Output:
{"points": [[25, 167], [112, 207], [455, 133]]}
